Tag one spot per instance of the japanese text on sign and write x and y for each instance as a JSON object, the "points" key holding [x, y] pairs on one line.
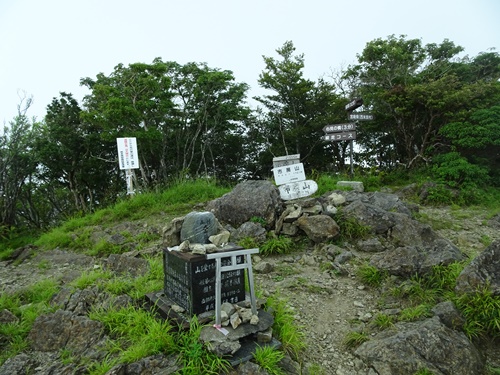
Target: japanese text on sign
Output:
{"points": [[340, 136], [127, 153], [289, 173], [339, 128]]}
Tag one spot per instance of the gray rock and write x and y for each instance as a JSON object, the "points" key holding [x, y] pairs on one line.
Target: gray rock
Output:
{"points": [[198, 227], [407, 261], [336, 199], [319, 228], [254, 198], [158, 365], [290, 229], [65, 330], [6, 317], [371, 245], [379, 220], [344, 257], [249, 229], [449, 315], [263, 267], [172, 232], [428, 344], [221, 238], [482, 272], [124, 265], [250, 368], [355, 185], [218, 341]]}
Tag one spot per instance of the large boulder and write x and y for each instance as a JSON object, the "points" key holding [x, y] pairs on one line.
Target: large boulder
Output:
{"points": [[482, 272], [427, 344], [65, 330], [249, 199], [406, 261], [197, 227], [319, 228]]}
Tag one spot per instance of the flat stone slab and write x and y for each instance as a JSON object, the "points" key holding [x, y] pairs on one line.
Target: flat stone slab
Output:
{"points": [[355, 185]]}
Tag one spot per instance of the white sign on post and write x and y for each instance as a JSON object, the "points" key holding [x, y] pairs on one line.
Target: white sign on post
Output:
{"points": [[281, 161], [128, 157], [289, 173]]}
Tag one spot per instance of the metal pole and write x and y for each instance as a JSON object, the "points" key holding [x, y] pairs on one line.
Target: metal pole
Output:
{"points": [[352, 168]]}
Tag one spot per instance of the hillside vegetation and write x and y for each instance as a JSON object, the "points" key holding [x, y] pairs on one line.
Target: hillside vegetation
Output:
{"points": [[151, 210]]}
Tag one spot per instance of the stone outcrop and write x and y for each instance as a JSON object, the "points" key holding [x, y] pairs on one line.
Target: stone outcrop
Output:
{"points": [[249, 199], [414, 346], [482, 272], [397, 243]]}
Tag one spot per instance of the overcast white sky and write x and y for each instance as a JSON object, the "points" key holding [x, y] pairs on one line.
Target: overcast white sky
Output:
{"points": [[46, 46]]}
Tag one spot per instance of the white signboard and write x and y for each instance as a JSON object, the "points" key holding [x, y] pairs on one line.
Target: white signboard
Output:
{"points": [[346, 136], [281, 161], [289, 173], [295, 190], [128, 157]]}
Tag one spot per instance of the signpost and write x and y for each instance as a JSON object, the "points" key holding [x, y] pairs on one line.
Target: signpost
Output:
{"points": [[336, 128], [291, 179], [360, 116], [128, 159], [352, 105], [344, 136], [347, 131]]}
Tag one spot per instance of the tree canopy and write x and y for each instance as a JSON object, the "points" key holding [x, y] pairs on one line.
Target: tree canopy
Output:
{"points": [[432, 108]]}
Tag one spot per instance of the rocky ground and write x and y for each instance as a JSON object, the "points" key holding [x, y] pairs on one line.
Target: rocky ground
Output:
{"points": [[327, 304]]}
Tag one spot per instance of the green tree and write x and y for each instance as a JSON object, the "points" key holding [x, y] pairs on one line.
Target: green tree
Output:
{"points": [[133, 101], [17, 164], [67, 151], [186, 119], [478, 138], [208, 120], [414, 91], [296, 110]]}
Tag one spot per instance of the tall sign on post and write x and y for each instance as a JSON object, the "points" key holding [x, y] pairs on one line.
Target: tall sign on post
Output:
{"points": [[128, 159], [347, 132]]}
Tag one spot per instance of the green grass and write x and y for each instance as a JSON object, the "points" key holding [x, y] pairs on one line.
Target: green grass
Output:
{"points": [[383, 321], [178, 199], [26, 304], [269, 358], [285, 327], [482, 313], [354, 339], [371, 275], [195, 359], [277, 246], [350, 228], [135, 333]]}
